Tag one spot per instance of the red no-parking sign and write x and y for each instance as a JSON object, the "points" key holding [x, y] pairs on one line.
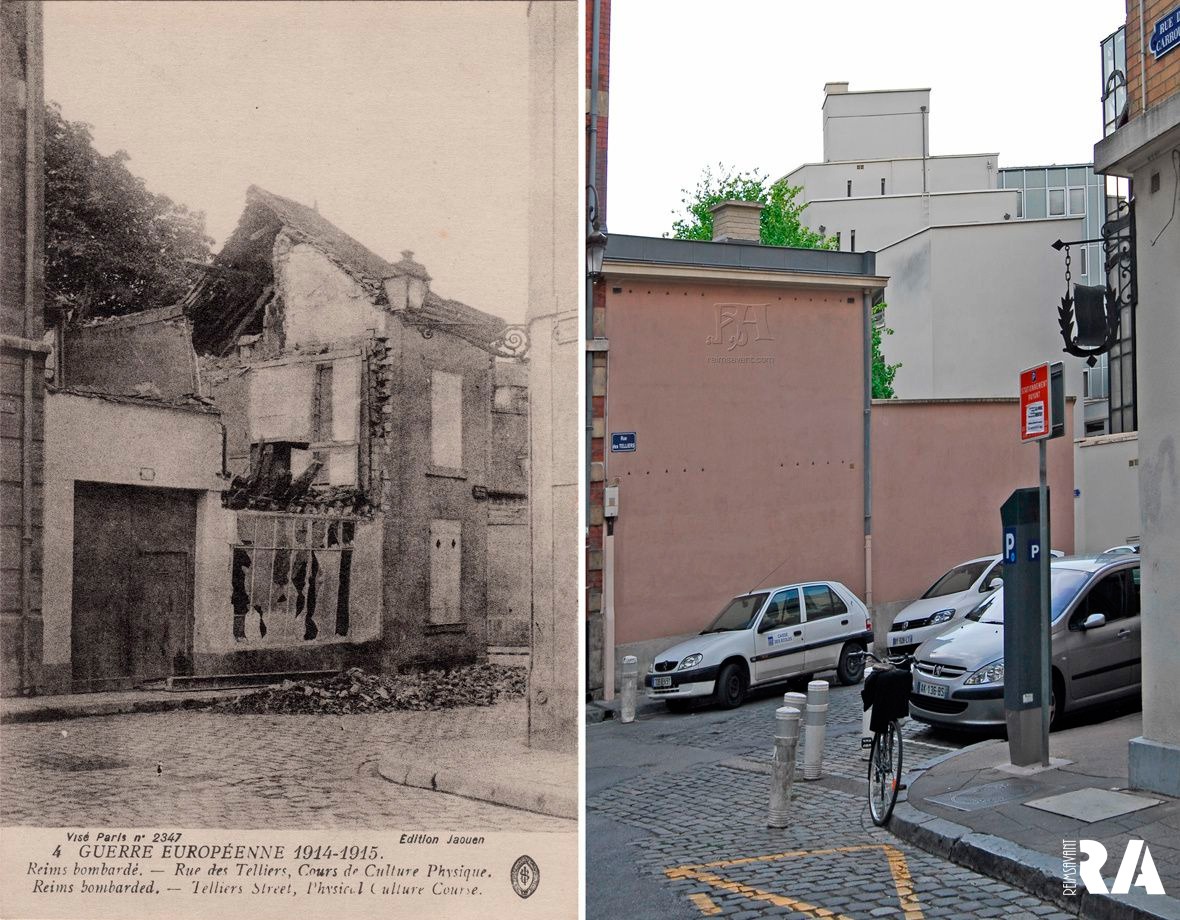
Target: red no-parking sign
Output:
{"points": [[1034, 403]]}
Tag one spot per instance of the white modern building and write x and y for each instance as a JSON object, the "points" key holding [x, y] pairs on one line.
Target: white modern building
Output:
{"points": [[974, 284]]}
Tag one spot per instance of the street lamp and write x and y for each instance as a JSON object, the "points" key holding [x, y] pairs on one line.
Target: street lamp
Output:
{"points": [[406, 287], [595, 251]]}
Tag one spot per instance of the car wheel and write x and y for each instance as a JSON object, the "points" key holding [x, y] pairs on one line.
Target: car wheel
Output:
{"points": [[851, 670], [731, 686]]}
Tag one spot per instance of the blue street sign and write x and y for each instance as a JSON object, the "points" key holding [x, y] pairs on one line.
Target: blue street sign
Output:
{"points": [[1034, 550], [1010, 545], [1166, 34], [622, 441]]}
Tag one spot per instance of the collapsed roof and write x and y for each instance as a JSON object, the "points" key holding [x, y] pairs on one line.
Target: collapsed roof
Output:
{"points": [[229, 300]]}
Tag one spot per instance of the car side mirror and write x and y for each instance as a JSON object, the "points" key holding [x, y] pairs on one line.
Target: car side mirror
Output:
{"points": [[996, 582], [1094, 620], [766, 626]]}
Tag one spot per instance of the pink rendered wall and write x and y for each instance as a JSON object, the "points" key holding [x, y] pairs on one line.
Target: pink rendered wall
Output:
{"points": [[941, 470], [739, 466]]}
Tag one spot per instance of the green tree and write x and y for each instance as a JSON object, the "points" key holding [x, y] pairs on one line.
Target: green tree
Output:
{"points": [[883, 373], [111, 245], [780, 226], [780, 212]]}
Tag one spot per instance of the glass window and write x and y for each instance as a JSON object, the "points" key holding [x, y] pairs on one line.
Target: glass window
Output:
{"points": [[738, 613], [1082, 261], [1077, 201], [1020, 204], [821, 602], [1014, 179], [783, 610], [1077, 175], [1056, 201], [1034, 178], [1106, 597], [1064, 585], [1056, 178], [1034, 202], [1097, 208], [960, 578]]}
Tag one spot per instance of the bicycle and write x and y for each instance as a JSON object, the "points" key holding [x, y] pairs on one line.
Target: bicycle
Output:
{"points": [[889, 698]]}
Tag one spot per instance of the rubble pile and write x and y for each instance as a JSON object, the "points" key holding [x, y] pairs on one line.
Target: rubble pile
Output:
{"points": [[355, 691]]}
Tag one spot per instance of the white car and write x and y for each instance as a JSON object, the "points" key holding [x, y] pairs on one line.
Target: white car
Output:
{"points": [[950, 598], [766, 637]]}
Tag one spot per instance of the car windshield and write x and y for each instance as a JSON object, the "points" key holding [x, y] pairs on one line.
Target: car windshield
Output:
{"points": [[738, 613], [960, 578], [1064, 586]]}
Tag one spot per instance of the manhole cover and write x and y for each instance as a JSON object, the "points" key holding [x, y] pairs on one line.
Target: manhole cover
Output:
{"points": [[987, 795], [75, 763]]}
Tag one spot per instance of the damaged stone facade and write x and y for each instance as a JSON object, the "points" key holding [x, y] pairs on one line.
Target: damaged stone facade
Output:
{"points": [[378, 481]]}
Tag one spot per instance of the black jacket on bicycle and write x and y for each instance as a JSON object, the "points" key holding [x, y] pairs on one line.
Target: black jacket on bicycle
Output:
{"points": [[888, 692]]}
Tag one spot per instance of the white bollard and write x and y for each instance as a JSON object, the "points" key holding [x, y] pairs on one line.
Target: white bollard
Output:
{"points": [[866, 736], [628, 680], [814, 728], [782, 768]]}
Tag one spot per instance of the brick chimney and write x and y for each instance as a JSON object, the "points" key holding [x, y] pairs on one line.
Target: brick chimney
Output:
{"points": [[737, 220]]}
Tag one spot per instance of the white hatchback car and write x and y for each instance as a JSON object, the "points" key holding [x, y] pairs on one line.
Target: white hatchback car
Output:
{"points": [[766, 637], [950, 598]]}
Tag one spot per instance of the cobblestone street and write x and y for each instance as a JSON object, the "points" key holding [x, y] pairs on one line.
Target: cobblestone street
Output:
{"points": [[205, 769], [676, 827]]}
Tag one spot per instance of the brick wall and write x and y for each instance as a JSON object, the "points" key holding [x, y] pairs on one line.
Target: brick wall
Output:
{"points": [[1163, 75]]}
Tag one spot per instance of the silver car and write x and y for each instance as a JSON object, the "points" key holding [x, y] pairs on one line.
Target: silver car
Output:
{"points": [[1094, 603]]}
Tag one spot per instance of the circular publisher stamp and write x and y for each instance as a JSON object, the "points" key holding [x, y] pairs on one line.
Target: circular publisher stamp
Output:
{"points": [[525, 876]]}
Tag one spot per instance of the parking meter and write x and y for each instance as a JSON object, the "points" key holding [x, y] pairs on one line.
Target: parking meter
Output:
{"points": [[1024, 666]]}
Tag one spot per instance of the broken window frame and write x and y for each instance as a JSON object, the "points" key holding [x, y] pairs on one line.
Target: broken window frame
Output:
{"points": [[327, 544]]}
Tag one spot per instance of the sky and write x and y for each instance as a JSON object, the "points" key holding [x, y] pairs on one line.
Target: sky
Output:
{"points": [[700, 82], [401, 122]]}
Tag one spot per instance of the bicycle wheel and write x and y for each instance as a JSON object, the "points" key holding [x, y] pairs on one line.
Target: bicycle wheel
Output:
{"points": [[884, 773]]}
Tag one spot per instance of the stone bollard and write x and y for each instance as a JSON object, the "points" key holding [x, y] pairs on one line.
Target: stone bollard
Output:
{"points": [[866, 736], [814, 727], [628, 681], [782, 769]]}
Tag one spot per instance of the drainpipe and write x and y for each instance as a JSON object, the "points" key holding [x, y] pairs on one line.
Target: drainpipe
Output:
{"points": [[867, 456], [925, 141], [591, 180], [1142, 65]]}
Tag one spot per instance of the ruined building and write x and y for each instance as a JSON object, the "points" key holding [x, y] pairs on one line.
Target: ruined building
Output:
{"points": [[314, 461]]}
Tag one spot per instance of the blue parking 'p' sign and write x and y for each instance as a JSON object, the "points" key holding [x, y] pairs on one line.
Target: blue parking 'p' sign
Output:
{"points": [[622, 441], [1010, 545]]}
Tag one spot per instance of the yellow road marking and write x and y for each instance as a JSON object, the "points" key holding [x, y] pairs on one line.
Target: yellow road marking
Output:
{"points": [[898, 868], [705, 903]]}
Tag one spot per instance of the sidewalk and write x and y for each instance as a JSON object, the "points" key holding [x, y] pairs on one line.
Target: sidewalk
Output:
{"points": [[79, 705], [974, 808], [501, 770]]}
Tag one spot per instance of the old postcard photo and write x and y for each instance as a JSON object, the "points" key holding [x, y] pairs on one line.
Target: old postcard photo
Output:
{"points": [[290, 465]]}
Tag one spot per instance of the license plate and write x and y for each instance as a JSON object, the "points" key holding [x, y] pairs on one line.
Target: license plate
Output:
{"points": [[660, 682], [906, 639], [935, 690]]}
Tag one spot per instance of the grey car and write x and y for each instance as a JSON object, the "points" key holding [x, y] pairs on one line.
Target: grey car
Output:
{"points": [[959, 675]]}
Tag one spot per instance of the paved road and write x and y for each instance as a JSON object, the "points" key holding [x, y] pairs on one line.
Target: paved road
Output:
{"points": [[204, 769], [676, 828]]}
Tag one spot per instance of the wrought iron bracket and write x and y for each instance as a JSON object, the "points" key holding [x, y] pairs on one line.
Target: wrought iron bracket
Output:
{"points": [[513, 342]]}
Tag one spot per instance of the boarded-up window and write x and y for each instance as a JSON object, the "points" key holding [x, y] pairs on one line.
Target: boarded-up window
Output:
{"points": [[446, 419], [446, 551], [291, 578]]}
